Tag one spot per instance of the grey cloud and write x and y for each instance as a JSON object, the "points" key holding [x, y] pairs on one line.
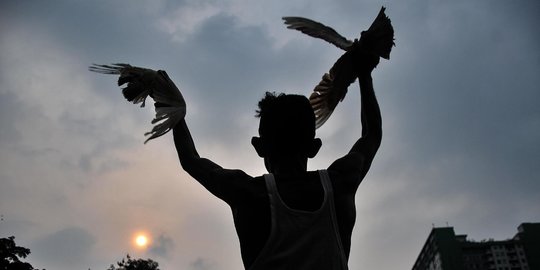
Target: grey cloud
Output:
{"points": [[473, 102], [162, 246], [10, 108], [202, 264], [459, 100], [67, 247], [10, 225], [114, 29]]}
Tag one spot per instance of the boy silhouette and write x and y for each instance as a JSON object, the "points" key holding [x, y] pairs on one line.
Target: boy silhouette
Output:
{"points": [[292, 218]]}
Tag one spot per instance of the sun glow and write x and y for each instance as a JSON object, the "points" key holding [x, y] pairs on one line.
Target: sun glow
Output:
{"points": [[141, 240]]}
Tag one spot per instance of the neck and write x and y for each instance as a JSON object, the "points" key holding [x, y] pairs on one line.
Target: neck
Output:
{"points": [[286, 165]]}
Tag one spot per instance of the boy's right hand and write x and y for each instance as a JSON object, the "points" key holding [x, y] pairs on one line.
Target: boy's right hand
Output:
{"points": [[367, 61]]}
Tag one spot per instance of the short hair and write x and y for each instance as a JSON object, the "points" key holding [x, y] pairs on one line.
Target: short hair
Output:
{"points": [[287, 122]]}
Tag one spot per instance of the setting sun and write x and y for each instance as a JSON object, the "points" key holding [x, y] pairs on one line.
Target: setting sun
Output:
{"points": [[141, 240]]}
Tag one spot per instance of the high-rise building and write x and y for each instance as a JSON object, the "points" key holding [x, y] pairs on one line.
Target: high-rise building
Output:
{"points": [[444, 250]]}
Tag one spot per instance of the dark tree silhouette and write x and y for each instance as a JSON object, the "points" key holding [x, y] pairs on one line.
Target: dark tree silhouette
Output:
{"points": [[135, 264], [11, 255]]}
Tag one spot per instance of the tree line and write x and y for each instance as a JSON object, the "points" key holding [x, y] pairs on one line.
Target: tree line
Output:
{"points": [[11, 258]]}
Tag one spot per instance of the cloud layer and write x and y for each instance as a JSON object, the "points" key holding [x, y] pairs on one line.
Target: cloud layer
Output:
{"points": [[459, 99]]}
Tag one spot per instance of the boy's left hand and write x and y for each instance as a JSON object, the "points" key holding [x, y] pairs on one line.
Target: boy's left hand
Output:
{"points": [[366, 61]]}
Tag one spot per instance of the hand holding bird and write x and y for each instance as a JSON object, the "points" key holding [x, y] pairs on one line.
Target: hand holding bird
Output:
{"points": [[360, 56]]}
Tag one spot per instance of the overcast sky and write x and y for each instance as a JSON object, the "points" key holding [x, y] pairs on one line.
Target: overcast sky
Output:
{"points": [[460, 101]]}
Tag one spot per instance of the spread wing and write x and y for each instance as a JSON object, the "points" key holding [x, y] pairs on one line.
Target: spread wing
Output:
{"points": [[143, 82], [378, 40], [332, 88], [380, 35], [317, 30]]}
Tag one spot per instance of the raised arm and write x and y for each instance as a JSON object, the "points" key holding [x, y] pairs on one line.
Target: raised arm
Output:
{"points": [[357, 162], [223, 183], [190, 160], [371, 119]]}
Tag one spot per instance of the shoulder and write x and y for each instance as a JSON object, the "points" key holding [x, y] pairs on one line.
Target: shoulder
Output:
{"points": [[235, 178], [354, 163], [348, 171], [242, 187]]}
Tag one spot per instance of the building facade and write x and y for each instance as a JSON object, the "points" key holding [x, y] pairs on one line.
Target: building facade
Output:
{"points": [[444, 250]]}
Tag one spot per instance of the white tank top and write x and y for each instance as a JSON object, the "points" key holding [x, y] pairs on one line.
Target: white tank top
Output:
{"points": [[302, 240]]}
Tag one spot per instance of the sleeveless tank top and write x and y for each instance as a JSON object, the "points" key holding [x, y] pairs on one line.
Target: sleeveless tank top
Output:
{"points": [[302, 240]]}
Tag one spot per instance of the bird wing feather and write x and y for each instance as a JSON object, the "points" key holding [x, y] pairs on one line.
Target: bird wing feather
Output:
{"points": [[377, 40], [144, 82], [332, 88], [317, 30]]}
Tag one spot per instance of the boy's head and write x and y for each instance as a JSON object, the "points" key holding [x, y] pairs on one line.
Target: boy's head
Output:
{"points": [[287, 127]]}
